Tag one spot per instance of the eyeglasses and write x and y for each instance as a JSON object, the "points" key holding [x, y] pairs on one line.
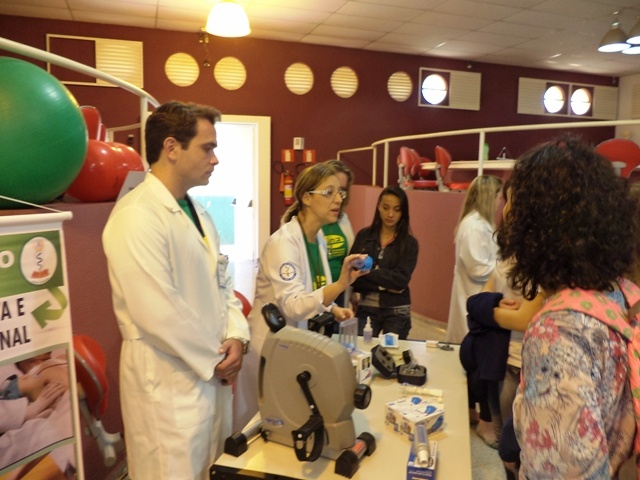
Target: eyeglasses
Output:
{"points": [[331, 192]]}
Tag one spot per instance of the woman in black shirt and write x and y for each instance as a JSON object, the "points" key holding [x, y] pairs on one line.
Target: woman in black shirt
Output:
{"points": [[383, 295]]}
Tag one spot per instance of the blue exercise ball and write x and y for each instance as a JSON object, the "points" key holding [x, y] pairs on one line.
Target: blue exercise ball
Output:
{"points": [[43, 136]]}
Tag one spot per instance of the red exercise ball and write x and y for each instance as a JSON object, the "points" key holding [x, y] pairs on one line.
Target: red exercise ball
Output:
{"points": [[129, 160], [98, 178], [92, 119], [104, 170]]}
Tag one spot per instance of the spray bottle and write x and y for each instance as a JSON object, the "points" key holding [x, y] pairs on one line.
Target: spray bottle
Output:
{"points": [[367, 332]]}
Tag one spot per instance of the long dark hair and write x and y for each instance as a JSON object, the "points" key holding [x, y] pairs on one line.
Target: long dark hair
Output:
{"points": [[403, 228]]}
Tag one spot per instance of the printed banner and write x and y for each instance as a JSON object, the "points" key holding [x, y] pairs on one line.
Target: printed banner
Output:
{"points": [[39, 427]]}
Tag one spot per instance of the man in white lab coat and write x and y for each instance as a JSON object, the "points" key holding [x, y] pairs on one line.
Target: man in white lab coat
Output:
{"points": [[183, 330]]}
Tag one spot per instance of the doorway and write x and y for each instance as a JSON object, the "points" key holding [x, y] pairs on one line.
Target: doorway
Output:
{"points": [[238, 194]]}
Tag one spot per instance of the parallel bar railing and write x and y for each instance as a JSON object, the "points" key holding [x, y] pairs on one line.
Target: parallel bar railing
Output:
{"points": [[481, 132]]}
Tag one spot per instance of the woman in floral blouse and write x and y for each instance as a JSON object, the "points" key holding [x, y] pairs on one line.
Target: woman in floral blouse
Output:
{"points": [[570, 226]]}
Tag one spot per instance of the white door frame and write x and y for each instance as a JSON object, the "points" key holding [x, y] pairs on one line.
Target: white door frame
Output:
{"points": [[261, 199]]}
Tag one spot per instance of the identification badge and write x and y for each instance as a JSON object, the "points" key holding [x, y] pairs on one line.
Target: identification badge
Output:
{"points": [[223, 262]]}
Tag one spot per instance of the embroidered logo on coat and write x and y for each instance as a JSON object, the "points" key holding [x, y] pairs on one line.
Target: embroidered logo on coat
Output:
{"points": [[287, 272]]}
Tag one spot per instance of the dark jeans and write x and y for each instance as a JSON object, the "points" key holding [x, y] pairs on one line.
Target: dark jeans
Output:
{"points": [[386, 320], [509, 450], [486, 394]]}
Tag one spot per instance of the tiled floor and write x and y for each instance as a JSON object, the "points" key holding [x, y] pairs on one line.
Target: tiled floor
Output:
{"points": [[485, 463]]}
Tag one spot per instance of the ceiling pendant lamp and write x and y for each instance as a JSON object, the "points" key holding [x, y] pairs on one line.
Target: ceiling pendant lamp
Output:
{"points": [[634, 34], [228, 19], [615, 40]]}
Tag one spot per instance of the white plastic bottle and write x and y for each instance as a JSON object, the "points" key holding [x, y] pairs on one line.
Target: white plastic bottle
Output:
{"points": [[367, 332]]}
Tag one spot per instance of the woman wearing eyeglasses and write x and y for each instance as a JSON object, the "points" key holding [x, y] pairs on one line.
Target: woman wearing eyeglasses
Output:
{"points": [[384, 294], [294, 273]]}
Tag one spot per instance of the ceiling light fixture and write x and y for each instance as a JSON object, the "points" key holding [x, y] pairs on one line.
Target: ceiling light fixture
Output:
{"points": [[634, 34], [615, 40], [228, 19], [203, 38]]}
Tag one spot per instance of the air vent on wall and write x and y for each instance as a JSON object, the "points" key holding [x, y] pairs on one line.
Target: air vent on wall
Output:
{"points": [[605, 102], [182, 69], [119, 58], [531, 94], [230, 73]]}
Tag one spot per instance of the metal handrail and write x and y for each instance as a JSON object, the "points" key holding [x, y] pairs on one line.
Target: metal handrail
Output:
{"points": [[145, 98], [481, 132]]}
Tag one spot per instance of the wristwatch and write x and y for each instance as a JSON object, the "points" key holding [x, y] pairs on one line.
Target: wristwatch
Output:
{"points": [[244, 342]]}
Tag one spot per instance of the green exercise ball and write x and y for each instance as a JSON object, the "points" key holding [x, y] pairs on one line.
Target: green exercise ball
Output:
{"points": [[43, 136]]}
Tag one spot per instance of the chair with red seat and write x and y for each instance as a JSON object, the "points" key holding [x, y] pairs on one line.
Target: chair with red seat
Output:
{"points": [[246, 305], [443, 159], [624, 154], [409, 167], [90, 363]]}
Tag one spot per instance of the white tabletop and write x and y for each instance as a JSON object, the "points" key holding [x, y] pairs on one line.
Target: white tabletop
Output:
{"points": [[503, 164], [389, 460]]}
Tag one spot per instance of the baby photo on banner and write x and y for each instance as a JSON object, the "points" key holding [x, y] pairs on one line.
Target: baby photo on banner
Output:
{"points": [[39, 431]]}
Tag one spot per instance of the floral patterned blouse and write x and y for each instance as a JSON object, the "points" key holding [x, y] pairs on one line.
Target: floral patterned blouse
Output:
{"points": [[573, 413]]}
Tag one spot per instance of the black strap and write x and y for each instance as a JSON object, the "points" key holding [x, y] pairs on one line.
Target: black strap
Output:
{"points": [[315, 427]]}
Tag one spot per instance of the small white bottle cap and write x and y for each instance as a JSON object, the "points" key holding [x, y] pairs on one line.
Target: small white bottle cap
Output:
{"points": [[423, 457]]}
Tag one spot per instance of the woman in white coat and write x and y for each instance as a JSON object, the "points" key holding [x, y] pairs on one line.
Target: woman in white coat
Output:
{"points": [[476, 257], [476, 250], [294, 273]]}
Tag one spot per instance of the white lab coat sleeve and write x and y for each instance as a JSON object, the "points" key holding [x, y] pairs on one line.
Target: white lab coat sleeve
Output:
{"points": [[141, 268], [287, 264], [237, 325], [477, 251]]}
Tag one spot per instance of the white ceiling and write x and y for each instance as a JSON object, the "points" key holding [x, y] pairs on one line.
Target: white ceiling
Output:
{"points": [[550, 34]]}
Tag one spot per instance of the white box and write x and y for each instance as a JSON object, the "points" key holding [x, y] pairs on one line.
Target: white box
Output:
{"points": [[404, 414], [416, 472], [362, 366]]}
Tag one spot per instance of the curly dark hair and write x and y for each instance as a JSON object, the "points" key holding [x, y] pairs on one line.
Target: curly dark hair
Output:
{"points": [[571, 220]]}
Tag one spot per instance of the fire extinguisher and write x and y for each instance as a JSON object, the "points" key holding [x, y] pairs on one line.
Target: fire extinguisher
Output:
{"points": [[288, 188]]}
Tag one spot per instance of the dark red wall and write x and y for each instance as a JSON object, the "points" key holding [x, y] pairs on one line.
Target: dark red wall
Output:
{"points": [[327, 122]]}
